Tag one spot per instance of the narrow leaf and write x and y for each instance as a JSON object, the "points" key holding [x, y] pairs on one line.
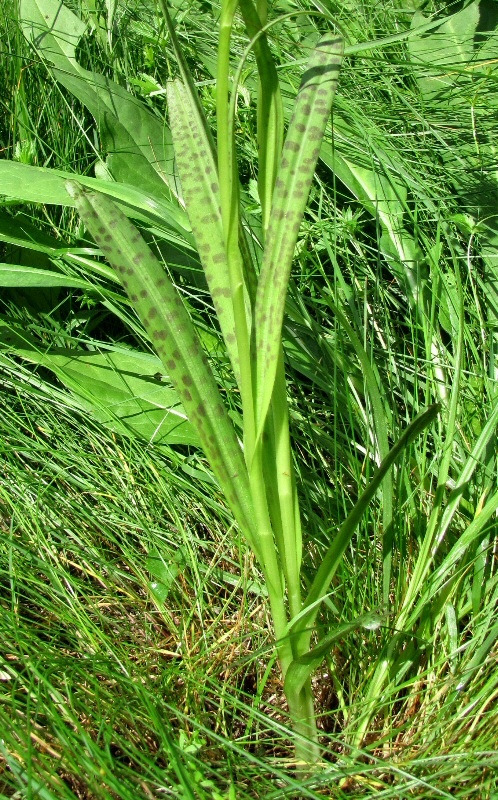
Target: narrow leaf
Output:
{"points": [[18, 276], [297, 167], [199, 180], [170, 328], [334, 554], [300, 670], [270, 111]]}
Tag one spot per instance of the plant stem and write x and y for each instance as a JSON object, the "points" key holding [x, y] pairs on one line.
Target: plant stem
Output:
{"points": [[268, 457], [302, 712]]}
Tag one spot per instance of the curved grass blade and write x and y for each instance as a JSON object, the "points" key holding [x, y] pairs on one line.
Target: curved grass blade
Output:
{"points": [[301, 668], [334, 554], [297, 167], [170, 328]]}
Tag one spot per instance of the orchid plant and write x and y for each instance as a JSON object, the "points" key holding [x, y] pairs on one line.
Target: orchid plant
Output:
{"points": [[256, 474]]}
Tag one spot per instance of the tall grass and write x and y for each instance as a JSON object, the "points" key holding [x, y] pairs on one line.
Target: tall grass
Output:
{"points": [[388, 311]]}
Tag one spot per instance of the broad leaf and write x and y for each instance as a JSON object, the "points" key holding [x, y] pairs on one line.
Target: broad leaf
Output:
{"points": [[123, 389], [42, 185], [445, 52], [138, 143], [18, 230]]}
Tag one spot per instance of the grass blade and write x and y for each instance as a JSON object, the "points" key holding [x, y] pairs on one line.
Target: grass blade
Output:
{"points": [[435, 536], [379, 418], [446, 571], [336, 550]]}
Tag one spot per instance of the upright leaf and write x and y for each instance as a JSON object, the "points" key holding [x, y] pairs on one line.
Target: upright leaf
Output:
{"points": [[335, 552], [270, 111], [297, 167], [199, 180]]}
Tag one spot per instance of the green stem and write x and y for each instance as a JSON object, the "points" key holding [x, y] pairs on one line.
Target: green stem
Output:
{"points": [[302, 712], [272, 568], [277, 521], [291, 546]]}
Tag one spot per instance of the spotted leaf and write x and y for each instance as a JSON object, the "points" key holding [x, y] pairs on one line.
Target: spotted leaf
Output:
{"points": [[199, 180], [295, 174], [173, 335]]}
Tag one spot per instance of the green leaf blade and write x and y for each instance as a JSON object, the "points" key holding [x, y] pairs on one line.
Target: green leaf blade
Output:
{"points": [[138, 144], [445, 52], [170, 328], [295, 175], [43, 185], [302, 668], [199, 181], [16, 275], [335, 552], [116, 387]]}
